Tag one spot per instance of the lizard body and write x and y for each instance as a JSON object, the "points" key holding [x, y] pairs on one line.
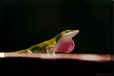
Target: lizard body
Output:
{"points": [[49, 46]]}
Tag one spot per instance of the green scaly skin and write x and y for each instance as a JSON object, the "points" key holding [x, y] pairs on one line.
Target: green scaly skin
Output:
{"points": [[44, 47]]}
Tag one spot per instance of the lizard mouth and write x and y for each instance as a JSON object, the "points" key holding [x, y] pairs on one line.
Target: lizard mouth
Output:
{"points": [[71, 34]]}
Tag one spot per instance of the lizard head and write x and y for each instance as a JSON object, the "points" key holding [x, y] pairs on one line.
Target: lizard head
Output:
{"points": [[65, 42], [69, 33]]}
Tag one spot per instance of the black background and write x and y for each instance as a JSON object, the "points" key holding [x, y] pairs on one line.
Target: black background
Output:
{"points": [[27, 22]]}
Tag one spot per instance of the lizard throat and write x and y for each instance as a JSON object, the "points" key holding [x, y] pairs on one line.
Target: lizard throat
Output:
{"points": [[65, 46]]}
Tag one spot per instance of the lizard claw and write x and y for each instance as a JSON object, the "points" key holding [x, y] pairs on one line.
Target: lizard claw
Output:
{"points": [[51, 54]]}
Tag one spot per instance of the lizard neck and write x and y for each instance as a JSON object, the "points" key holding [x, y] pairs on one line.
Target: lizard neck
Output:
{"points": [[57, 38], [65, 46]]}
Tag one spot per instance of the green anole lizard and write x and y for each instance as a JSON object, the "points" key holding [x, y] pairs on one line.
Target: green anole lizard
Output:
{"points": [[49, 46]]}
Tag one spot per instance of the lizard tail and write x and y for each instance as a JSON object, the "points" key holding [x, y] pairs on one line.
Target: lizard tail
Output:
{"points": [[10, 54]]}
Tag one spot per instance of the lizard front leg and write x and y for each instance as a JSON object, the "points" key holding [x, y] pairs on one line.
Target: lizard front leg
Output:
{"points": [[51, 50]]}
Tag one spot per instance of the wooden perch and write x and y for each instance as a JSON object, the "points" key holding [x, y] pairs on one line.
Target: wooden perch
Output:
{"points": [[83, 57]]}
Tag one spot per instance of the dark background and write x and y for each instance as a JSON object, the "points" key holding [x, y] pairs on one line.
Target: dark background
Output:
{"points": [[27, 22]]}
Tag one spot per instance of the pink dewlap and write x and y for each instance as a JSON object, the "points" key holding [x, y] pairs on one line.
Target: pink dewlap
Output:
{"points": [[65, 46]]}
